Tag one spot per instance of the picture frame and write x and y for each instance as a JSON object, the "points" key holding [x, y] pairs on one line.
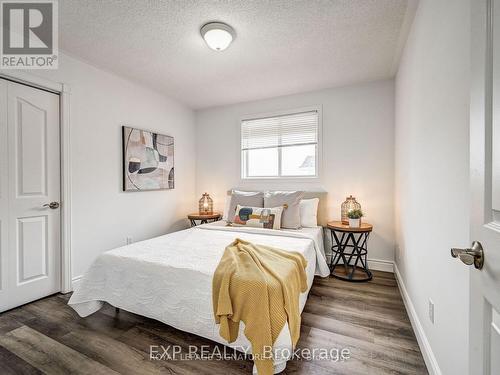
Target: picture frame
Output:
{"points": [[148, 160]]}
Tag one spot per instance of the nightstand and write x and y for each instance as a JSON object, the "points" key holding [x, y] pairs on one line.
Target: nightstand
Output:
{"points": [[349, 251], [203, 219]]}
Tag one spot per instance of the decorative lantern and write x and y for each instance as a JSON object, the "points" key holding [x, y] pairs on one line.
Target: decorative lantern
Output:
{"points": [[349, 205], [206, 205]]}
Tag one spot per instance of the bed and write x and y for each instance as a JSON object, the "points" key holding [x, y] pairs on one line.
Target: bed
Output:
{"points": [[169, 278]]}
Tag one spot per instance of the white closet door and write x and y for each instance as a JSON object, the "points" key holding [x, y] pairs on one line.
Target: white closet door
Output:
{"points": [[32, 257], [4, 195]]}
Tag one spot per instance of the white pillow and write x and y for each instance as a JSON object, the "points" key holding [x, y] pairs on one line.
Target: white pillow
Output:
{"points": [[258, 217], [309, 212], [227, 204]]}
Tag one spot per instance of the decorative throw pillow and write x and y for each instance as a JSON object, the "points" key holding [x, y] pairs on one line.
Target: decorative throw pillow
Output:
{"points": [[244, 198], [269, 218], [309, 212], [291, 202]]}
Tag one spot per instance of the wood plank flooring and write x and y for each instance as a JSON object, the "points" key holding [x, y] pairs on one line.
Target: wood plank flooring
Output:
{"points": [[368, 319]]}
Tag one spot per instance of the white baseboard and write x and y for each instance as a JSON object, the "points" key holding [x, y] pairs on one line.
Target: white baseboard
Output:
{"points": [[381, 265], [423, 343], [75, 282]]}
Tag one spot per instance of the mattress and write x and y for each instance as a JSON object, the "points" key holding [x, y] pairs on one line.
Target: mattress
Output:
{"points": [[169, 278]]}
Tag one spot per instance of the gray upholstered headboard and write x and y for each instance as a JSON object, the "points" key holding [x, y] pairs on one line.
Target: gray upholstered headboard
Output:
{"points": [[322, 206]]}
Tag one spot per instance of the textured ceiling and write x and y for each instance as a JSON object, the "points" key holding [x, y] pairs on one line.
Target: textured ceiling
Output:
{"points": [[282, 46]]}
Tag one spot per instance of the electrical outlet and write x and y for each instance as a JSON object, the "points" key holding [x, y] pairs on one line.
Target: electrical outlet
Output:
{"points": [[431, 311], [129, 240]]}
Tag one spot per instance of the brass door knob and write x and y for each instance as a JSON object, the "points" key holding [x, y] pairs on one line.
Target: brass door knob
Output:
{"points": [[473, 255]]}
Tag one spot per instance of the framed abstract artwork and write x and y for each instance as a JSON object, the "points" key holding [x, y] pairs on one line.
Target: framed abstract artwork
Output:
{"points": [[148, 160]]}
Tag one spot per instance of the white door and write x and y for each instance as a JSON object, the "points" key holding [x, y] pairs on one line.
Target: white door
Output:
{"points": [[484, 325], [29, 183]]}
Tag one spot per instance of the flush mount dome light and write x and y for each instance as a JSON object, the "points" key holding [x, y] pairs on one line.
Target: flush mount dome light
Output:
{"points": [[217, 35]]}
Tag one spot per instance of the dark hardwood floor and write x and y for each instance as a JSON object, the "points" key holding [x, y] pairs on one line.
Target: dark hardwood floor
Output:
{"points": [[369, 319]]}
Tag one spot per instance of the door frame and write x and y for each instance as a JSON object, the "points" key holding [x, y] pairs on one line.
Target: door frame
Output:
{"points": [[64, 92]]}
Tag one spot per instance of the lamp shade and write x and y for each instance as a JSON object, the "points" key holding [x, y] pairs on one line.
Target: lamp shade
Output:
{"points": [[349, 204], [217, 35], [206, 205]]}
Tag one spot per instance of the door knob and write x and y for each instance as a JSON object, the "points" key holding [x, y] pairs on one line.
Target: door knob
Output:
{"points": [[474, 255], [52, 205]]}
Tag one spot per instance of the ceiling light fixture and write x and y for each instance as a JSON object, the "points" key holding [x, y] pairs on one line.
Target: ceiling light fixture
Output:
{"points": [[217, 35]]}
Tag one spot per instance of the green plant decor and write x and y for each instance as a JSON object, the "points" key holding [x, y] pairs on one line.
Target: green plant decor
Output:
{"points": [[355, 214]]}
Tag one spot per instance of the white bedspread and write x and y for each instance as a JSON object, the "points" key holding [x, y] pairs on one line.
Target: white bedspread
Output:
{"points": [[169, 278]]}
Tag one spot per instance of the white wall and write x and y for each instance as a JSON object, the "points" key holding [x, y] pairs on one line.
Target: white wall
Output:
{"points": [[358, 152], [102, 214], [432, 183]]}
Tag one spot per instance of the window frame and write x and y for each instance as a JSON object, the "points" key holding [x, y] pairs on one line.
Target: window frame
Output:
{"points": [[319, 147]]}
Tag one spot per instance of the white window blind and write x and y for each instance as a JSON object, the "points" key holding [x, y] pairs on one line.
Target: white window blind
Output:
{"points": [[280, 146]]}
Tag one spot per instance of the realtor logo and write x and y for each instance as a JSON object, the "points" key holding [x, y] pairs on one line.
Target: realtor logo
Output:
{"points": [[29, 34]]}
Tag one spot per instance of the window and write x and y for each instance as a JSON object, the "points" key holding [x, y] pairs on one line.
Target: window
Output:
{"points": [[281, 146]]}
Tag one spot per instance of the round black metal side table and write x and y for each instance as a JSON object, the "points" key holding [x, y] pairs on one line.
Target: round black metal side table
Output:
{"points": [[349, 251]]}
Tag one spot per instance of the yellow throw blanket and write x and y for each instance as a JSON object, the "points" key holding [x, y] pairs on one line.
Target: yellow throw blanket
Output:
{"points": [[260, 286]]}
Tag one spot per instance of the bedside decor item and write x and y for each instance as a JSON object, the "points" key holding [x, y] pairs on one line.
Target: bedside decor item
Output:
{"points": [[269, 218], [148, 160], [355, 218], [349, 204], [203, 219], [349, 251], [205, 205]]}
